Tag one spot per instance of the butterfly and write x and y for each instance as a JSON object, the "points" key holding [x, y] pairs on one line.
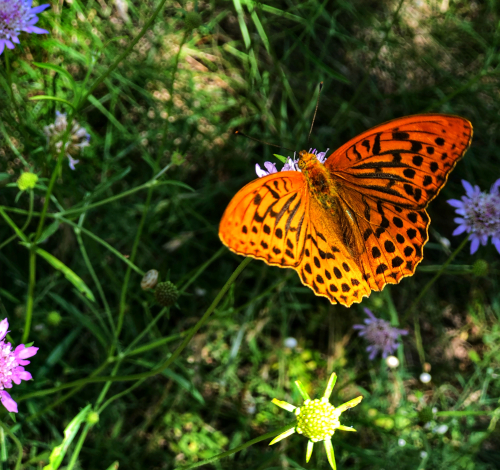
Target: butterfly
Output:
{"points": [[358, 221]]}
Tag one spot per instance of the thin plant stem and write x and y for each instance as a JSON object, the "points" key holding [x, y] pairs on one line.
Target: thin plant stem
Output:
{"points": [[202, 268], [436, 277], [239, 448], [123, 296], [28, 220], [31, 294], [79, 446], [68, 395], [171, 92], [16, 442], [94, 276], [122, 56], [103, 243], [164, 365], [13, 99], [345, 109], [79, 210]]}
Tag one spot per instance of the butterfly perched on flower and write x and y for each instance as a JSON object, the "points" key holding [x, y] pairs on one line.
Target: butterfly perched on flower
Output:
{"points": [[354, 221]]}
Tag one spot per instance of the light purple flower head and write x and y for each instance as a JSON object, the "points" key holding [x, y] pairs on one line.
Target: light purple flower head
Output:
{"points": [[78, 139], [17, 16], [290, 165], [380, 334], [479, 215], [11, 366]]}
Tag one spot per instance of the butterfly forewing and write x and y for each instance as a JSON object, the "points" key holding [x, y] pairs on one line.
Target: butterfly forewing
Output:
{"points": [[268, 219], [405, 161]]}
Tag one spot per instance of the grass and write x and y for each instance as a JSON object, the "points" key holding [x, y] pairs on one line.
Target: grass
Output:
{"points": [[170, 389]]}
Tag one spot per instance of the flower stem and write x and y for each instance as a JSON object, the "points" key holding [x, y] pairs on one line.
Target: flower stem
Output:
{"points": [[241, 447], [435, 278], [16, 442], [163, 365], [416, 324], [122, 56]]}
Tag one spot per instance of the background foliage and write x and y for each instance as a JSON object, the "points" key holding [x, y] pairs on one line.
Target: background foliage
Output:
{"points": [[177, 97]]}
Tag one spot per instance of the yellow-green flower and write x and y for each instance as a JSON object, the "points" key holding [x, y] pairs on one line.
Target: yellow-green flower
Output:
{"points": [[317, 419], [27, 181]]}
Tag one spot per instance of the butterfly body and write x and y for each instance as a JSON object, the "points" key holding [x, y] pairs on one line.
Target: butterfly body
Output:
{"points": [[358, 221]]}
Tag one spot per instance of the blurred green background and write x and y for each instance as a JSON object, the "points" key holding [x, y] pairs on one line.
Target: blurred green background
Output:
{"points": [[179, 96]]}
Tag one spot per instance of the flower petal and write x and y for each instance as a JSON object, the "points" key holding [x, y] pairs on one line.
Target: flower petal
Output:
{"points": [[8, 402]]}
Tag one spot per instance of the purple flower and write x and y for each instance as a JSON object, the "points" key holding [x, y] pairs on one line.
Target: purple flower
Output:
{"points": [[380, 334], [78, 139], [290, 165], [11, 366], [17, 16], [479, 215]]}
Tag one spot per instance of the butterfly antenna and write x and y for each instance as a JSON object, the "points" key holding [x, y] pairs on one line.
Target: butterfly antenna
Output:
{"points": [[315, 111], [261, 141]]}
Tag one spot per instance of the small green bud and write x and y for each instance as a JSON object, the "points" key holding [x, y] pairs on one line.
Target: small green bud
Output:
{"points": [[192, 20], [54, 318], [425, 414], [480, 268], [93, 417], [177, 158], [27, 181], [166, 293]]}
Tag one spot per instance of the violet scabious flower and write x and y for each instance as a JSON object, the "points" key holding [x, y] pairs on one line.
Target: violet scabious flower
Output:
{"points": [[17, 16], [11, 366], [382, 336], [78, 139], [290, 165], [479, 215]]}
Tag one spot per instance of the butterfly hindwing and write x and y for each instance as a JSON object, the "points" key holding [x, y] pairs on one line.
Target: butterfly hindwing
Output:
{"points": [[327, 266], [393, 238]]}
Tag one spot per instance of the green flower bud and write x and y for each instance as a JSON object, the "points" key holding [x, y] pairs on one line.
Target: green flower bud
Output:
{"points": [[27, 181], [54, 318], [192, 20], [425, 414], [177, 158], [480, 268], [93, 417], [166, 293]]}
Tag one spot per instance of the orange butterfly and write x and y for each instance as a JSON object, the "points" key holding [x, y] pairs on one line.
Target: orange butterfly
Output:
{"points": [[358, 221]]}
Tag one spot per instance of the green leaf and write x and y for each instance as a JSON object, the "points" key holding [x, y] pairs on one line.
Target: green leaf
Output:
{"points": [[69, 274], [57, 69], [280, 157], [4, 176], [50, 98], [58, 453], [49, 230]]}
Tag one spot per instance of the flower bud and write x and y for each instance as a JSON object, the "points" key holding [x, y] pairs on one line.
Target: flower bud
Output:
{"points": [[166, 293], [192, 20], [93, 417], [425, 414], [27, 181], [54, 318], [480, 268]]}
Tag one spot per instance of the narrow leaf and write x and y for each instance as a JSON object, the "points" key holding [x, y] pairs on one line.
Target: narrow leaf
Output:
{"points": [[69, 274], [58, 453]]}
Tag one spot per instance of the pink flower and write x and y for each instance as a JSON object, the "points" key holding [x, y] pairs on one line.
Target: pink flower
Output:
{"points": [[11, 366], [17, 16]]}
